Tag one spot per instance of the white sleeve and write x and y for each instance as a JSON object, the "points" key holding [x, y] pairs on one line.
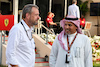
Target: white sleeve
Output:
{"points": [[78, 12], [88, 54], [11, 46], [53, 54]]}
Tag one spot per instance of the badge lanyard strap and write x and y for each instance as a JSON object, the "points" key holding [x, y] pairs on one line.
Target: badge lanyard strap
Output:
{"points": [[26, 32], [69, 46]]}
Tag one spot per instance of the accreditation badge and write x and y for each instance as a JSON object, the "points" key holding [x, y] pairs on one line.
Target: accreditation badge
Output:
{"points": [[68, 58]]}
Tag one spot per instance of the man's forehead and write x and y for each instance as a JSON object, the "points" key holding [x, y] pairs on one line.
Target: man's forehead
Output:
{"points": [[35, 10], [69, 22]]}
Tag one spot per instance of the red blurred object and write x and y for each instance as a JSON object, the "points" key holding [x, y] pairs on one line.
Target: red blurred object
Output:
{"points": [[50, 43], [48, 20], [6, 22], [35, 49], [97, 47], [95, 43], [82, 22], [98, 59]]}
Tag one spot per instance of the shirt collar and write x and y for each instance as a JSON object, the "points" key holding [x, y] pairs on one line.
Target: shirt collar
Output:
{"points": [[71, 35], [26, 26], [73, 4]]}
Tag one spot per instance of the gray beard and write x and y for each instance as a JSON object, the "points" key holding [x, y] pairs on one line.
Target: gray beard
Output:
{"points": [[35, 23]]}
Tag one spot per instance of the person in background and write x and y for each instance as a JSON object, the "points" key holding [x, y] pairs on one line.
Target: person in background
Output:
{"points": [[73, 9], [49, 19], [82, 22], [71, 48], [20, 50]]}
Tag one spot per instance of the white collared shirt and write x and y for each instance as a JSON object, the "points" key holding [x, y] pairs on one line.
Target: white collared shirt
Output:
{"points": [[80, 52], [73, 10], [20, 50]]}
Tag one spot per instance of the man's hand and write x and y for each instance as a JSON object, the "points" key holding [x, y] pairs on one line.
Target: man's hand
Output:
{"points": [[55, 24]]}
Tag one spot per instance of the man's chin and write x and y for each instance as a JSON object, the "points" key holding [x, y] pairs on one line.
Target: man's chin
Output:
{"points": [[35, 23], [68, 33]]}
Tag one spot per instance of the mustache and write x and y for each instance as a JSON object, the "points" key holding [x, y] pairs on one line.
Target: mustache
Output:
{"points": [[67, 29], [67, 33]]}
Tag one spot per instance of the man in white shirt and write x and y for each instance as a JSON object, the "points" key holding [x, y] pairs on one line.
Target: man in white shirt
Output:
{"points": [[20, 50], [71, 48], [73, 9]]}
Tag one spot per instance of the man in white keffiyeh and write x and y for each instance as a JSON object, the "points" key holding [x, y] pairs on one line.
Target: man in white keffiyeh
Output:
{"points": [[71, 48]]}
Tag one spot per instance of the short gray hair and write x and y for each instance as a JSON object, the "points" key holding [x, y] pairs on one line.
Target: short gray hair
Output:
{"points": [[74, 1], [27, 9]]}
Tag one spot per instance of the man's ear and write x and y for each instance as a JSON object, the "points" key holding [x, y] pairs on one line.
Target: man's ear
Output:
{"points": [[27, 15]]}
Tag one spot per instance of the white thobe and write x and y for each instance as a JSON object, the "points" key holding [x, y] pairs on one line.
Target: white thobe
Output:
{"points": [[73, 10], [20, 50], [80, 52]]}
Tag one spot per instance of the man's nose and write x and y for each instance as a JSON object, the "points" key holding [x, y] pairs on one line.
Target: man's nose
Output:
{"points": [[38, 17], [67, 26]]}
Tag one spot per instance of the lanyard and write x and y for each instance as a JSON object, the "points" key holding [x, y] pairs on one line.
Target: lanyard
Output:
{"points": [[26, 32], [69, 46]]}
